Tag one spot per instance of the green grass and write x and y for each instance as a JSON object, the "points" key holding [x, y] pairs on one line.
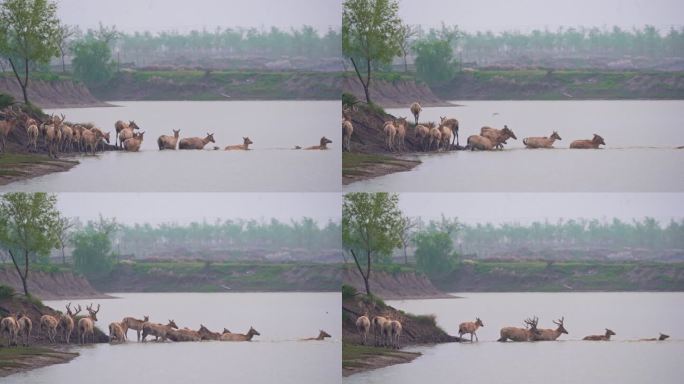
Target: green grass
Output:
{"points": [[351, 353], [9, 356], [352, 163]]}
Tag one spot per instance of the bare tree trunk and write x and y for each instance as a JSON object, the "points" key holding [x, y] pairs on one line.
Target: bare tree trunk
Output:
{"points": [[22, 84], [366, 83], [365, 276], [22, 276], [405, 256]]}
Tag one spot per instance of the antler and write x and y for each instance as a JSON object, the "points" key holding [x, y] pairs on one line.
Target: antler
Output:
{"points": [[532, 323], [98, 308], [560, 321], [68, 308], [78, 310]]}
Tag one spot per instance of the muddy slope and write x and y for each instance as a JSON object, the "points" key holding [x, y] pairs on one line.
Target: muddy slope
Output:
{"points": [[394, 286], [52, 94], [393, 94], [51, 286]]}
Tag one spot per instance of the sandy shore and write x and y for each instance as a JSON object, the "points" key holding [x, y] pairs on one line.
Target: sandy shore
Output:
{"points": [[21, 359], [15, 167], [361, 359], [363, 167]]}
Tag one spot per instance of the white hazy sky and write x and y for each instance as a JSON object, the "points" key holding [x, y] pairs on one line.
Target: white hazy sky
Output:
{"points": [[525, 15], [183, 208], [528, 207], [183, 15]]}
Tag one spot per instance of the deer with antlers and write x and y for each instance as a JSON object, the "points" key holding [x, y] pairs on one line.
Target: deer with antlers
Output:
{"points": [[86, 325], [520, 334], [551, 334], [67, 322]]}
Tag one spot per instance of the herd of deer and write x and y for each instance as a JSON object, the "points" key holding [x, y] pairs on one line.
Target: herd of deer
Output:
{"points": [[387, 331], [17, 328], [60, 136], [444, 135]]}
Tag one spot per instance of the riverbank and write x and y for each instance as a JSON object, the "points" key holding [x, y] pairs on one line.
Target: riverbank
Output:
{"points": [[21, 359], [360, 166], [53, 283], [399, 284], [360, 358], [48, 90], [22, 166]]}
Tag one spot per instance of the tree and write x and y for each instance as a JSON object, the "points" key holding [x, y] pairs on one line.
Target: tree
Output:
{"points": [[63, 231], [435, 255], [434, 61], [406, 32], [370, 35], [370, 228], [93, 248], [28, 33], [27, 227], [92, 61], [406, 228], [64, 33]]}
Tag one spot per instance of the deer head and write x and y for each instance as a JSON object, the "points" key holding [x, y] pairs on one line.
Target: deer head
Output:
{"points": [[93, 313], [508, 131], [210, 137], [479, 322], [226, 330], [323, 334], [172, 324], [663, 336], [609, 332], [247, 141], [253, 332], [146, 318], [560, 328], [555, 135], [325, 140], [176, 133], [598, 139]]}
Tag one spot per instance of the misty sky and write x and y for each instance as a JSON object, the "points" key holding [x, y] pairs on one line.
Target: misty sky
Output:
{"points": [[183, 16], [525, 15], [183, 208], [528, 207]]}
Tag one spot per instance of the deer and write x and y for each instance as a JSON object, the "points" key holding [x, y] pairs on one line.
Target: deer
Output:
{"points": [[551, 334], [401, 125], [498, 136], [395, 333], [347, 131], [121, 125], [135, 324], [415, 110], [67, 138], [390, 131], [422, 133], [240, 147], [48, 324], [363, 326], [481, 143], [157, 330], [91, 139], [86, 325], [470, 327], [323, 144], [453, 126], [446, 135], [206, 334], [541, 142], [435, 135], [605, 337], [66, 322], [32, 133], [6, 127], [116, 333], [196, 142], [239, 336], [520, 334], [182, 335], [662, 337], [321, 336], [133, 144], [168, 142], [10, 327], [588, 144], [377, 323], [25, 326]]}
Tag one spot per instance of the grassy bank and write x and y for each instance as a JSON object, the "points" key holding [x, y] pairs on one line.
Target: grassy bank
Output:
{"points": [[361, 166], [18, 359], [19, 166], [359, 358]]}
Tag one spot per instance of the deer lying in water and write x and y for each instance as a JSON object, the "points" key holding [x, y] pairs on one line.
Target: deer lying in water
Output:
{"points": [[520, 334], [541, 142], [206, 334], [133, 323], [363, 326], [660, 338], [116, 333], [239, 336], [347, 131], [240, 147], [588, 144], [168, 142], [415, 110], [183, 335], [452, 124], [605, 337], [86, 325], [470, 327], [48, 324], [9, 327], [321, 336], [196, 142], [157, 330], [25, 326], [551, 334], [323, 144], [67, 321]]}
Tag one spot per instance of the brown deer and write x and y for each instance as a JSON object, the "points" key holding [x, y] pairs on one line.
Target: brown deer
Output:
{"points": [[90, 139], [183, 335], [435, 137], [551, 334], [32, 133], [447, 134], [395, 333], [240, 147], [422, 133], [157, 330], [239, 336], [323, 144], [6, 127], [481, 143], [135, 324], [168, 142], [196, 142], [347, 131], [453, 126], [206, 334], [401, 125], [470, 327], [9, 327], [541, 142], [133, 144], [116, 333], [377, 323], [605, 337], [415, 110], [67, 321], [25, 326], [86, 325], [390, 131], [498, 136], [588, 144], [321, 336], [121, 125], [363, 326], [660, 338], [520, 334], [48, 324]]}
